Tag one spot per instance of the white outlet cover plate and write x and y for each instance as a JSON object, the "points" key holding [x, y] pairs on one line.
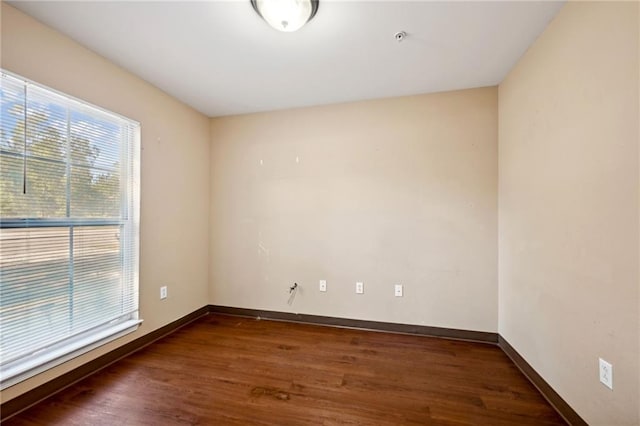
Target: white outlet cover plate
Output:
{"points": [[398, 290], [163, 292], [359, 288], [606, 373], [323, 285]]}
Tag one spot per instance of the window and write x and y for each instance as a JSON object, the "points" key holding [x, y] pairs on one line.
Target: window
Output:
{"points": [[69, 223]]}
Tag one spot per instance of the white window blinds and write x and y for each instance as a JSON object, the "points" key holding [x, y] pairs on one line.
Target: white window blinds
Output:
{"points": [[69, 221]]}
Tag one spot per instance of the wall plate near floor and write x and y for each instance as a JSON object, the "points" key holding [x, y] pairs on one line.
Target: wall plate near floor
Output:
{"points": [[606, 373], [359, 288], [398, 290], [163, 292], [322, 286]]}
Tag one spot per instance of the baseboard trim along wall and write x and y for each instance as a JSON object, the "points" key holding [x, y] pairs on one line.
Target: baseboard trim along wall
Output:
{"points": [[32, 397], [35, 395], [545, 389], [449, 333]]}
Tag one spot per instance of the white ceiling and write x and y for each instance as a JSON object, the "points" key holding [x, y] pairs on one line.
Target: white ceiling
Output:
{"points": [[221, 58]]}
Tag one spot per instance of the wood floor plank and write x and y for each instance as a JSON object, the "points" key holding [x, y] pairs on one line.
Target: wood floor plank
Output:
{"points": [[225, 370]]}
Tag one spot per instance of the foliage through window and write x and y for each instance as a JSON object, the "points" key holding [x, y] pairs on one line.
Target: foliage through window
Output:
{"points": [[69, 202]]}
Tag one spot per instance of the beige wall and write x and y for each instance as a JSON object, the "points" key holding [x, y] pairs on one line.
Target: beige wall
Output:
{"points": [[175, 169], [390, 191], [568, 215]]}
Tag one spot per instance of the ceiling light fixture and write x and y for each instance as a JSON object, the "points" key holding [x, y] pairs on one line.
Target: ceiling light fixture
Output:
{"points": [[286, 15]]}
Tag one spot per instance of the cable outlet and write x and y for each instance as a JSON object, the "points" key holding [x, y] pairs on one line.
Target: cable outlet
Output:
{"points": [[606, 373], [163, 292], [398, 290], [359, 288], [323, 285]]}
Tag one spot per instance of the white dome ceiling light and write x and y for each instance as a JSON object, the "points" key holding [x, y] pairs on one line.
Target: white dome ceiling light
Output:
{"points": [[286, 15]]}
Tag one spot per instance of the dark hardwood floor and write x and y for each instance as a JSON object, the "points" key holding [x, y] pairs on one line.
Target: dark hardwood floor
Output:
{"points": [[224, 370]]}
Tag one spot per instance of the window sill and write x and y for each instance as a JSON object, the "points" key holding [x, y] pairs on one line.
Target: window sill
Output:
{"points": [[47, 359]]}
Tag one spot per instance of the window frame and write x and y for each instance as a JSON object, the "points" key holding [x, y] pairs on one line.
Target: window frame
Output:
{"points": [[53, 354]]}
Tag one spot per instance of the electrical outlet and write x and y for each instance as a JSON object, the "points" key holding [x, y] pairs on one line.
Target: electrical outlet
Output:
{"points": [[323, 285], [606, 373], [163, 292], [359, 288], [398, 290]]}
